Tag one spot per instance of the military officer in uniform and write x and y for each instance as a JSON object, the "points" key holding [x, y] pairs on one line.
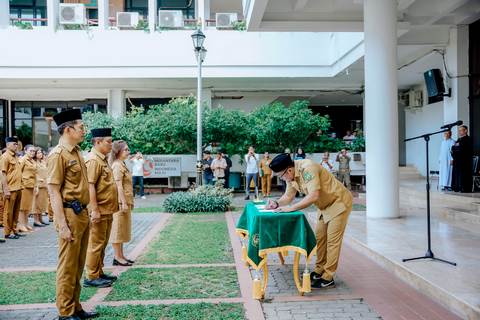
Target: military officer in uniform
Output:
{"points": [[344, 168], [68, 191], [12, 188], [333, 201], [103, 204]]}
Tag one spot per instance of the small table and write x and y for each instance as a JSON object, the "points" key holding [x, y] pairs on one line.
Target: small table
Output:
{"points": [[272, 232]]}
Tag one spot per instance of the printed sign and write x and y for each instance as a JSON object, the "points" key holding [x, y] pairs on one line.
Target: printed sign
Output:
{"points": [[162, 167]]}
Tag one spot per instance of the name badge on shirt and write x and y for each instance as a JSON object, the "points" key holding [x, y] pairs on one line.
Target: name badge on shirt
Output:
{"points": [[72, 162]]}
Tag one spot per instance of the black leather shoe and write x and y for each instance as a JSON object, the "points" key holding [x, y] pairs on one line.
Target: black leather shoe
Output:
{"points": [[130, 261], [45, 223], [74, 317], [108, 277], [20, 235], [86, 315], [99, 283], [118, 263], [2, 240], [38, 225], [12, 236]]}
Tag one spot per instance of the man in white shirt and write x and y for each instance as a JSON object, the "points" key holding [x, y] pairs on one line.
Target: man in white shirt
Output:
{"points": [[219, 164], [137, 173], [251, 159], [326, 163]]}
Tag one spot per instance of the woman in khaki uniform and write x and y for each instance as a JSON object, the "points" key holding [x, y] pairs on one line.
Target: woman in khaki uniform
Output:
{"points": [[40, 202], [122, 220], [28, 167]]}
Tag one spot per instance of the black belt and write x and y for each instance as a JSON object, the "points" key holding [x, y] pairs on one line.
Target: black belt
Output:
{"points": [[69, 205]]}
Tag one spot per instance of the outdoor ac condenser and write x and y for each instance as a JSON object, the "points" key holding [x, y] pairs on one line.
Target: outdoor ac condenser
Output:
{"points": [[225, 20], [415, 98], [170, 18], [127, 19], [72, 13]]}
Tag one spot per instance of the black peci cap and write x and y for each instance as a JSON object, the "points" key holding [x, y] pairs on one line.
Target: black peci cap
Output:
{"points": [[101, 132], [281, 162], [10, 139], [69, 115]]}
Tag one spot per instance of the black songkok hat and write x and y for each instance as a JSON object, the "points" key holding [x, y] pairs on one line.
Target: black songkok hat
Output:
{"points": [[69, 115], [10, 139], [281, 162], [101, 132]]}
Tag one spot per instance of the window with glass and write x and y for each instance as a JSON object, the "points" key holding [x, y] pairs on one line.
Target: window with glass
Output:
{"points": [[29, 9], [141, 6]]}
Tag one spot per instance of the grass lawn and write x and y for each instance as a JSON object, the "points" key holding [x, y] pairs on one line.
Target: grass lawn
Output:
{"points": [[359, 207], [198, 311], [171, 283], [197, 238], [147, 209], [32, 287]]}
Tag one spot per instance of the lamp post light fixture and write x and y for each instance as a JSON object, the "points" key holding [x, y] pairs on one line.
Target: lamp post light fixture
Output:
{"points": [[200, 53]]}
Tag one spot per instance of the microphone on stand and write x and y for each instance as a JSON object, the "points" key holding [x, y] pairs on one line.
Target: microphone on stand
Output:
{"points": [[453, 124]]}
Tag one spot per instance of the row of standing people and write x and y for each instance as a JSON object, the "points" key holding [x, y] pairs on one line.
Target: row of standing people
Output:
{"points": [[23, 189], [91, 201], [260, 167]]}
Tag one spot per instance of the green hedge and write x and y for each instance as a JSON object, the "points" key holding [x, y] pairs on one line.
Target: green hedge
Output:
{"points": [[171, 128], [203, 199]]}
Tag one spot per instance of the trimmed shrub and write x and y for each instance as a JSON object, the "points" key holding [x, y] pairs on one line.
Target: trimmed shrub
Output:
{"points": [[202, 199]]}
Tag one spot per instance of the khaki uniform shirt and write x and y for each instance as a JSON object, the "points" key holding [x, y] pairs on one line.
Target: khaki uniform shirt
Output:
{"points": [[100, 174], [344, 164], [29, 172], [310, 176], [66, 168], [42, 174], [10, 165], [121, 173], [264, 166]]}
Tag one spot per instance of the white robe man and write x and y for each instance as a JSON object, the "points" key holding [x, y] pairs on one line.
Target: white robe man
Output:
{"points": [[445, 159]]}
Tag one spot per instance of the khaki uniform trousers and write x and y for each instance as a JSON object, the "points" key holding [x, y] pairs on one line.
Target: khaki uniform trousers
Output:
{"points": [[10, 212], [99, 236], [1, 208], [266, 184], [329, 242], [344, 177], [71, 261]]}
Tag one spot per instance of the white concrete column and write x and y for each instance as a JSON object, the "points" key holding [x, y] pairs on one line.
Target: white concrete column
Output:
{"points": [[152, 15], [116, 103], [207, 98], [456, 107], [52, 14], [202, 8], [103, 14], [381, 115], [4, 14]]}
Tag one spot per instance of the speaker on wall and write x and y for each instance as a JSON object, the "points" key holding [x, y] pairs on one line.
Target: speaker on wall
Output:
{"points": [[434, 82]]}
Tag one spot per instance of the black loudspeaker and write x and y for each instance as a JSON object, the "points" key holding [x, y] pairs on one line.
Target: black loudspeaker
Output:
{"points": [[434, 82]]}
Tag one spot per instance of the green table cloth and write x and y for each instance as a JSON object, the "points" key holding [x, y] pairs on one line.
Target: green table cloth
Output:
{"points": [[269, 232]]}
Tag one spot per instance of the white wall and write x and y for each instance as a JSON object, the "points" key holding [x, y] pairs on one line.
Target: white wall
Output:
{"points": [[425, 120], [248, 103]]}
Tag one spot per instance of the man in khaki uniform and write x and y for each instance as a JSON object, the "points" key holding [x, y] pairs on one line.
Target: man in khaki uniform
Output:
{"points": [[12, 188], [266, 174], [103, 203], [333, 201], [68, 191], [344, 168]]}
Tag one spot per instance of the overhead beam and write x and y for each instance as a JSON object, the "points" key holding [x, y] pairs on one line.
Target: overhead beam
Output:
{"points": [[404, 4], [300, 5], [255, 12], [449, 7]]}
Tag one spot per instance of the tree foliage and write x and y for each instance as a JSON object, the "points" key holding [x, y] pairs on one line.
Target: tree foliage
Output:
{"points": [[171, 128]]}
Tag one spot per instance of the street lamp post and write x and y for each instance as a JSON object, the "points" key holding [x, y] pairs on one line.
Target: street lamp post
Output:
{"points": [[200, 52]]}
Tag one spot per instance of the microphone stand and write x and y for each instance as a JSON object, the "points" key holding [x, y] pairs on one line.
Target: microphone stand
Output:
{"points": [[429, 254]]}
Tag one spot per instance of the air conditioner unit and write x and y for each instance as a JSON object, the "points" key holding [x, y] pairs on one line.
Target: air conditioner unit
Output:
{"points": [[415, 98], [170, 18], [127, 19], [225, 20], [72, 13]]}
